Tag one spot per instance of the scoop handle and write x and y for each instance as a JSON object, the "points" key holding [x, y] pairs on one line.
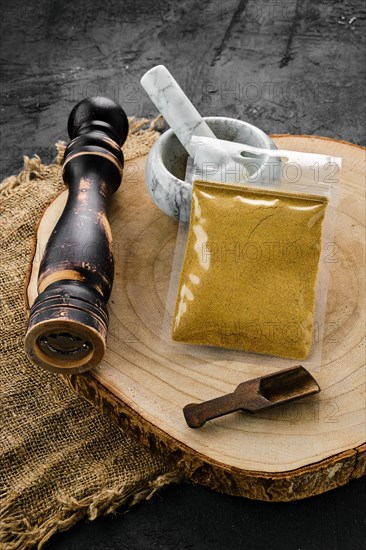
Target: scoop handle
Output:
{"points": [[197, 414], [174, 105]]}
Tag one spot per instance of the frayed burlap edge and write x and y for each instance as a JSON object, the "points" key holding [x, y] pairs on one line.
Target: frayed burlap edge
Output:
{"points": [[72, 510], [140, 139], [22, 534]]}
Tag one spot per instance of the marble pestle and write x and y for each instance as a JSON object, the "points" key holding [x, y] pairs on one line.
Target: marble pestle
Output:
{"points": [[174, 105], [168, 171]]}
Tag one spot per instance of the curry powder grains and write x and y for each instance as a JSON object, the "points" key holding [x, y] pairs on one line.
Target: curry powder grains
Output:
{"points": [[249, 271]]}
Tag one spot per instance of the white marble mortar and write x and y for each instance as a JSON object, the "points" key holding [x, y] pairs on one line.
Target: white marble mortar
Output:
{"points": [[167, 160]]}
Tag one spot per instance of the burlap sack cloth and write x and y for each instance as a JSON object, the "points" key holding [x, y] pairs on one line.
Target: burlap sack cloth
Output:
{"points": [[60, 460]]}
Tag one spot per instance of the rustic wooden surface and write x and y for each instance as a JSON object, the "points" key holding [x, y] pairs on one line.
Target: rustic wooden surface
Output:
{"points": [[55, 53], [143, 387]]}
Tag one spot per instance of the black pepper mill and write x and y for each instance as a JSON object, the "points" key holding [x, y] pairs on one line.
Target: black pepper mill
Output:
{"points": [[68, 321]]}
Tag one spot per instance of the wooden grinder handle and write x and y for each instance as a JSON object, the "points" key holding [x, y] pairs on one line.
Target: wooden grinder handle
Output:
{"points": [[68, 321]]}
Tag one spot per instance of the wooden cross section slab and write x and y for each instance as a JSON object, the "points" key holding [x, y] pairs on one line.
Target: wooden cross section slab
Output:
{"points": [[283, 454]]}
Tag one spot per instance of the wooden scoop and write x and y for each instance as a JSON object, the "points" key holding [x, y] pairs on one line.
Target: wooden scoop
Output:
{"points": [[254, 395]]}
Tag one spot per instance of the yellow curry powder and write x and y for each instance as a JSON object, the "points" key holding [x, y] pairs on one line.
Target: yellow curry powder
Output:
{"points": [[249, 271]]}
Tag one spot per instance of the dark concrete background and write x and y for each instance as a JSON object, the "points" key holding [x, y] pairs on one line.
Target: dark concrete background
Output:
{"points": [[286, 66]]}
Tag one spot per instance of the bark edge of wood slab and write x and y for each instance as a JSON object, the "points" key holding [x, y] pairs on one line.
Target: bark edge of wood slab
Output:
{"points": [[284, 486], [68, 321]]}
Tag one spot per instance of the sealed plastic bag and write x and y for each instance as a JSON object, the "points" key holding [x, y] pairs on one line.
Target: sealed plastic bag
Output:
{"points": [[252, 278]]}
